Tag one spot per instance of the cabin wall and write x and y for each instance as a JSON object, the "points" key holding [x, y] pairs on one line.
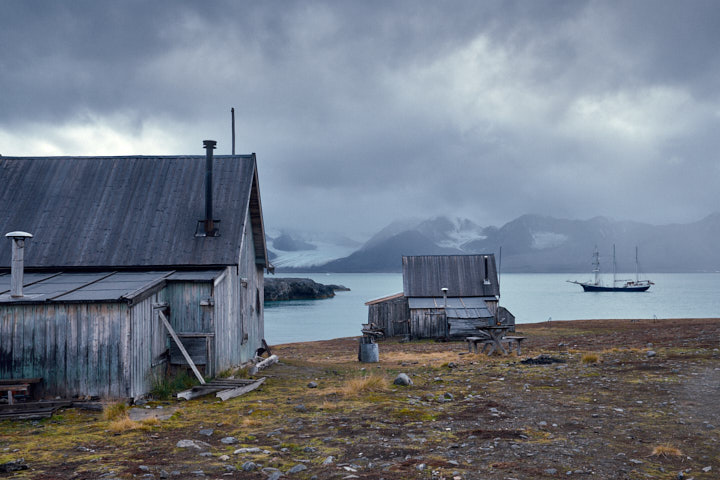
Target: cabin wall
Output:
{"points": [[506, 318], [78, 349], [428, 323], [251, 294], [228, 327], [147, 346], [393, 316]]}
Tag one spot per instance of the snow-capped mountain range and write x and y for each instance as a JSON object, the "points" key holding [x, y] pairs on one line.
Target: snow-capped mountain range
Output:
{"points": [[530, 243]]}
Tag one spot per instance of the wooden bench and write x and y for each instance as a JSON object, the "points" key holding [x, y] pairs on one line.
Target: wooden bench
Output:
{"points": [[488, 342], [17, 385], [516, 340]]}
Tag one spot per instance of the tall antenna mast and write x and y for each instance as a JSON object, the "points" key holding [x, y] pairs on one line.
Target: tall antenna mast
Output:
{"points": [[232, 116]]}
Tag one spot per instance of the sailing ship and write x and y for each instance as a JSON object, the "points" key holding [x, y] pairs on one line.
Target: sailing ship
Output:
{"points": [[596, 285]]}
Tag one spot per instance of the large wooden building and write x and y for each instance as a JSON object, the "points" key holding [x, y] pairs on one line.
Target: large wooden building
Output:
{"points": [[115, 242], [443, 296]]}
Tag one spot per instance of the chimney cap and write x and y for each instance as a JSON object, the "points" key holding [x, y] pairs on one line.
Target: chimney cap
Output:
{"points": [[209, 143], [444, 289], [18, 235]]}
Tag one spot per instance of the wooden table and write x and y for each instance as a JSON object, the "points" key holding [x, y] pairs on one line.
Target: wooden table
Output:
{"points": [[495, 334], [17, 385]]}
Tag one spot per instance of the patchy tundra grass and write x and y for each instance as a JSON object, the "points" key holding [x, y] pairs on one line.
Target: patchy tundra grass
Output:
{"points": [[466, 416]]}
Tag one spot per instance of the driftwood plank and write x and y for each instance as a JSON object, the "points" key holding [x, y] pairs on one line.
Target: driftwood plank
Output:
{"points": [[265, 363], [236, 392]]}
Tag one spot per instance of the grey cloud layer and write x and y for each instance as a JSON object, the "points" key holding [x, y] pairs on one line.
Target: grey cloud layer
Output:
{"points": [[361, 112]]}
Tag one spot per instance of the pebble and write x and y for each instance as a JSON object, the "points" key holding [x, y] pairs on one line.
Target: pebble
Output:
{"points": [[297, 469], [550, 471], [651, 353], [403, 379], [249, 466], [206, 431], [196, 444], [312, 385], [329, 460], [300, 408], [229, 440]]}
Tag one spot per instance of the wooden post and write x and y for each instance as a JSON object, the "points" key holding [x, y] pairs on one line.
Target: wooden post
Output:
{"points": [[180, 346]]}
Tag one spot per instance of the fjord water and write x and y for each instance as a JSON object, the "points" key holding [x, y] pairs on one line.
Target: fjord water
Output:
{"points": [[530, 297]]}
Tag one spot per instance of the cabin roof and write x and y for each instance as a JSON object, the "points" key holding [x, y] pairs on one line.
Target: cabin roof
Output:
{"points": [[72, 287], [462, 275], [385, 299], [128, 212]]}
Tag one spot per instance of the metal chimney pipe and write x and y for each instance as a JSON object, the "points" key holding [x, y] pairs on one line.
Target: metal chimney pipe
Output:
{"points": [[444, 290], [209, 225], [17, 266]]}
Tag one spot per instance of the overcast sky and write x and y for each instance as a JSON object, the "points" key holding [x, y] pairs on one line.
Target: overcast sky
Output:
{"points": [[362, 112]]}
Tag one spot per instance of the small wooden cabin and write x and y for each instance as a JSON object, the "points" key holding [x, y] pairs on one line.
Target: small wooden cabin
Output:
{"points": [[115, 241], [443, 296]]}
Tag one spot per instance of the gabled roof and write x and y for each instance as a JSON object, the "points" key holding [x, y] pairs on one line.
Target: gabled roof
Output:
{"points": [[462, 275], [128, 212]]}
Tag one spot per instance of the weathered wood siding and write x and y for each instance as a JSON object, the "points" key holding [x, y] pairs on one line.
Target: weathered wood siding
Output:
{"points": [[187, 315], [76, 348], [428, 323], [148, 343], [462, 275], [391, 315], [506, 318], [251, 298]]}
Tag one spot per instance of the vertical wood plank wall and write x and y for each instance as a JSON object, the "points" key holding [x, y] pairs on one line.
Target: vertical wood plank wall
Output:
{"points": [[392, 315], [427, 323], [76, 348]]}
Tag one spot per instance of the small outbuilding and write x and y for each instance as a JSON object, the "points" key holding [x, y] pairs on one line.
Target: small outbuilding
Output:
{"points": [[118, 246], [443, 296]]}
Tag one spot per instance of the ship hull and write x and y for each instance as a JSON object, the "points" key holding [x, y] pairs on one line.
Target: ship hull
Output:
{"points": [[599, 288]]}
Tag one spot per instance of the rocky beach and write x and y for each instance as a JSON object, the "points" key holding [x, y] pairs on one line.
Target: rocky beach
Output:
{"points": [[612, 399]]}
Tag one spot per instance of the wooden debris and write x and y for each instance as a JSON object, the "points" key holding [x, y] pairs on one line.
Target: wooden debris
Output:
{"points": [[220, 385], [264, 364], [31, 410], [236, 392]]}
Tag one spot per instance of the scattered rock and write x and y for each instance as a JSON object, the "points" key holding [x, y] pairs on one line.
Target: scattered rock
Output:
{"points": [[247, 450], [195, 444], [542, 359], [297, 469], [651, 353], [550, 471], [312, 385], [329, 460], [229, 440], [13, 466], [249, 466], [207, 432], [403, 379], [448, 396], [300, 408]]}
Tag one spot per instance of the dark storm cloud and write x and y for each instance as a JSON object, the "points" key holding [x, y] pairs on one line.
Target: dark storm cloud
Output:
{"points": [[367, 111]]}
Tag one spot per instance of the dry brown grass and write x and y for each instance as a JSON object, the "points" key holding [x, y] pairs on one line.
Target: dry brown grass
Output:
{"points": [[666, 451], [589, 358], [115, 411], [122, 425], [358, 386], [249, 422]]}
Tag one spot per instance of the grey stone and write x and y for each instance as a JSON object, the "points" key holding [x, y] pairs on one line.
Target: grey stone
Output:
{"points": [[249, 466], [164, 474], [312, 385], [448, 396], [247, 450], [550, 471], [229, 440], [651, 353], [206, 431], [297, 469], [403, 379], [195, 444], [329, 460], [198, 473], [230, 468], [300, 408], [144, 468]]}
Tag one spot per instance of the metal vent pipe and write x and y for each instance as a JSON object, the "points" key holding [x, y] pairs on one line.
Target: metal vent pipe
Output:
{"points": [[209, 224], [17, 266]]}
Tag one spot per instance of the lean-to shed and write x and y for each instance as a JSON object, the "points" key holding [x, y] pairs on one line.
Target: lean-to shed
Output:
{"points": [[116, 241], [443, 296]]}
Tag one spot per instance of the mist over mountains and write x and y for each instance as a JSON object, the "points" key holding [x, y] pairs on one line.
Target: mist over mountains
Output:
{"points": [[530, 243]]}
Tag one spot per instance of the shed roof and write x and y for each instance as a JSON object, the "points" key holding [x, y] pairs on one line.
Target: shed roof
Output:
{"points": [[125, 212], [457, 307], [69, 287], [462, 275]]}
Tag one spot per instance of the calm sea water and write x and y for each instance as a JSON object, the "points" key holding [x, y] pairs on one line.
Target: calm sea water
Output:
{"points": [[530, 297]]}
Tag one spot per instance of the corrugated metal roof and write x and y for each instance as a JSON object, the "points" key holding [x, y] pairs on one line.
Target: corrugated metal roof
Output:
{"points": [[115, 212], [462, 275], [465, 307], [93, 287]]}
